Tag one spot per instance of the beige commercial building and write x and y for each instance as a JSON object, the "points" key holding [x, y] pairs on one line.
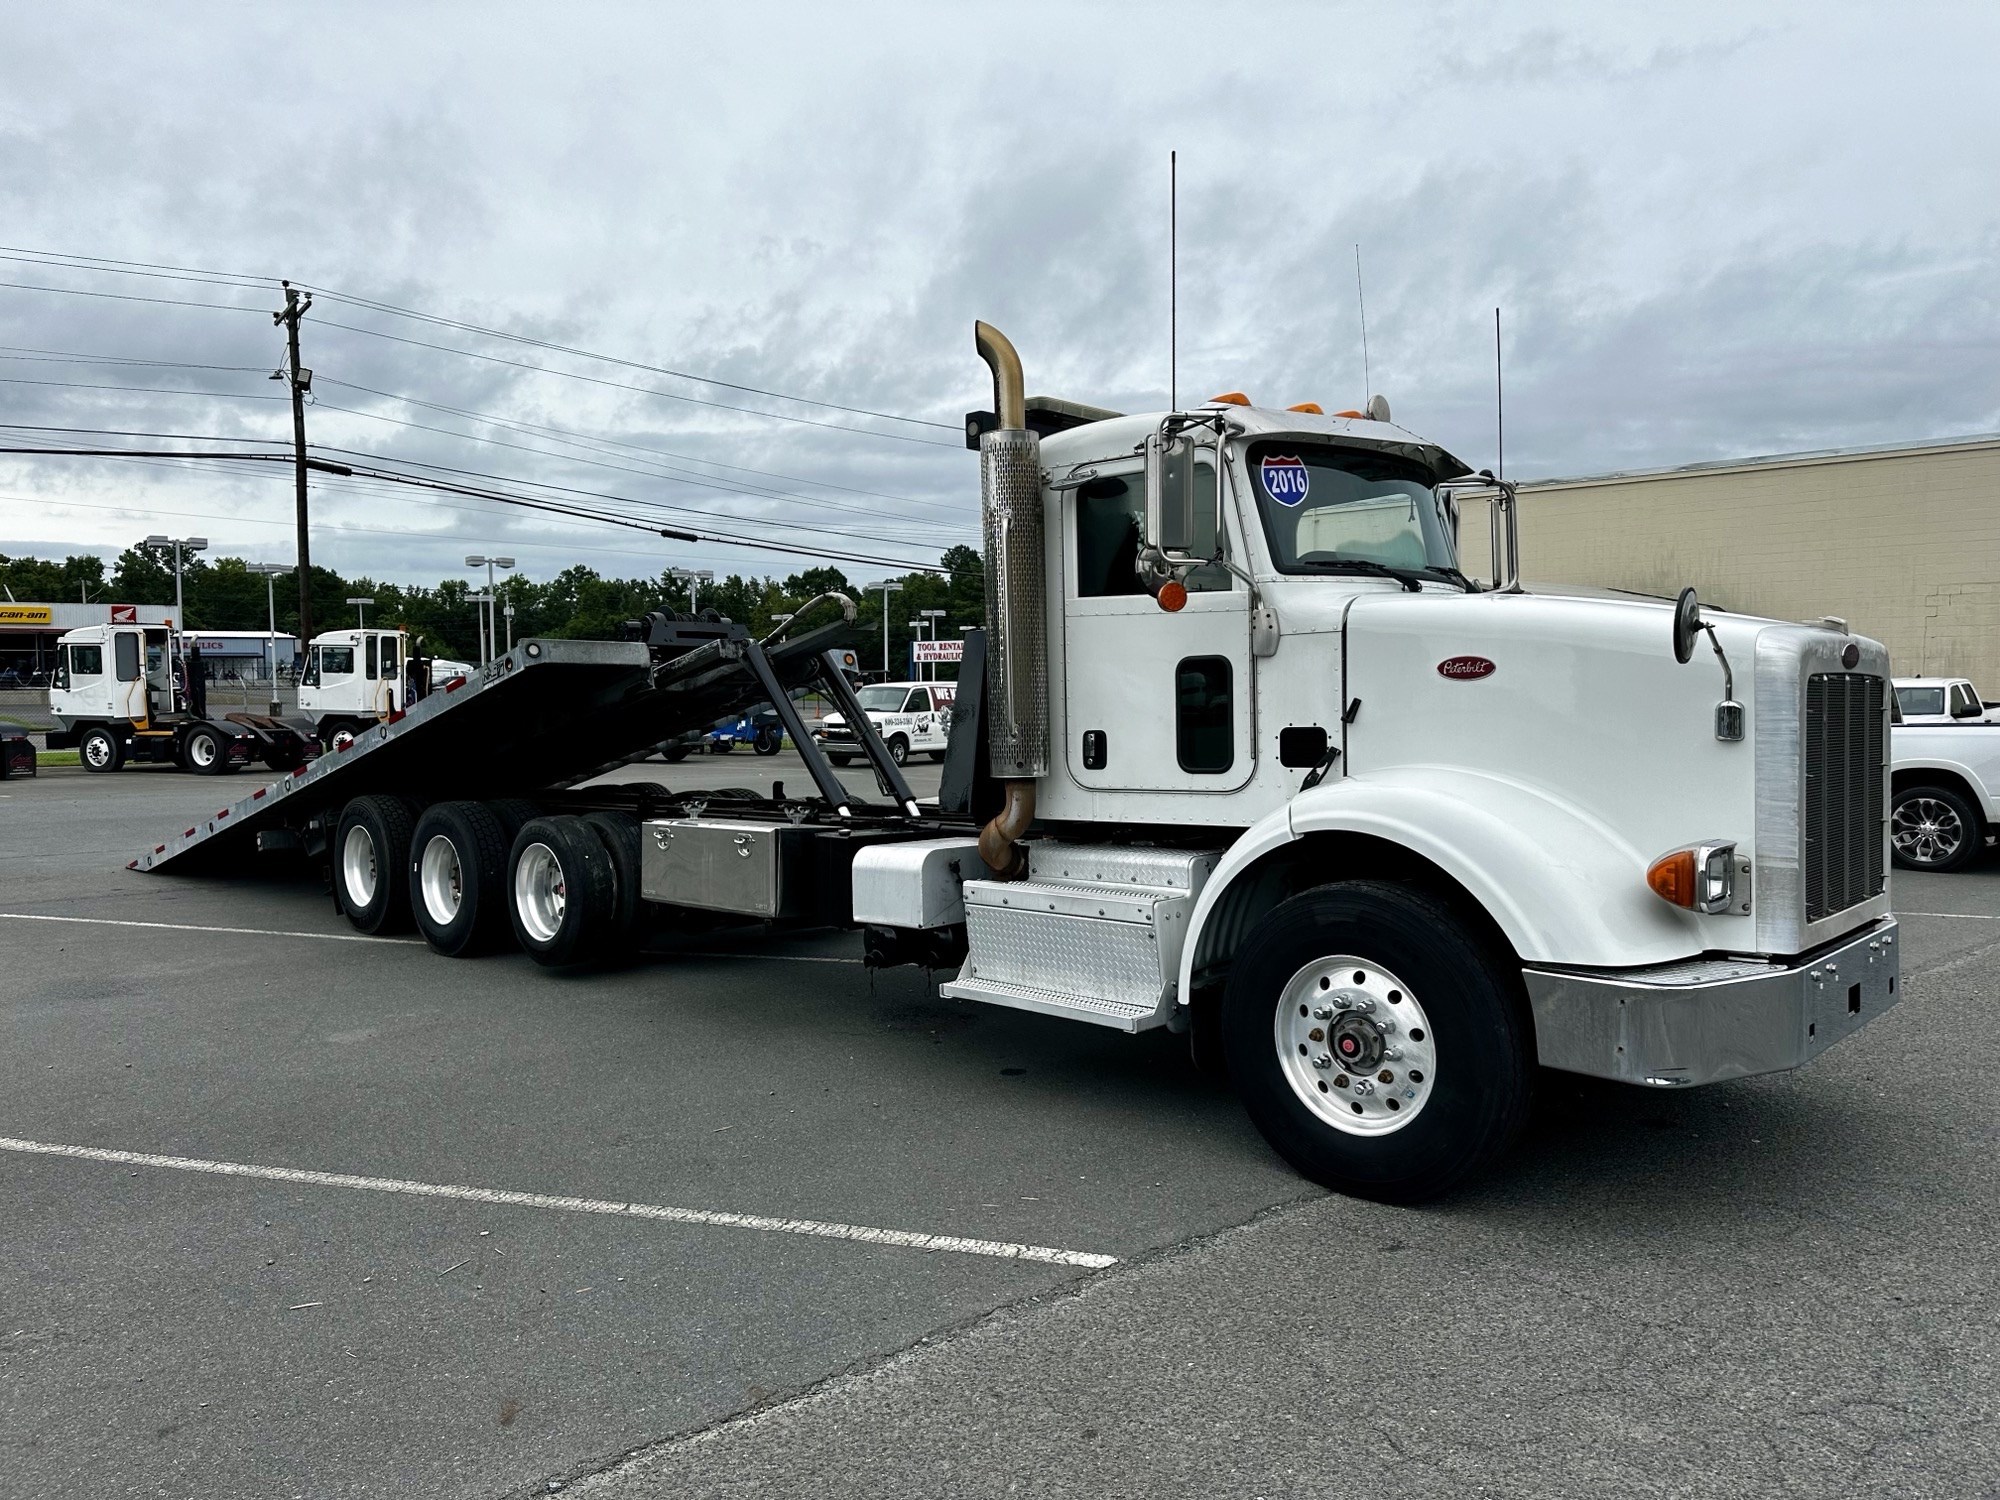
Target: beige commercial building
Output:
{"points": [[1903, 543]]}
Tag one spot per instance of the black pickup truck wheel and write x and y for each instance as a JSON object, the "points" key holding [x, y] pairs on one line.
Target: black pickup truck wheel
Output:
{"points": [[1377, 1043]]}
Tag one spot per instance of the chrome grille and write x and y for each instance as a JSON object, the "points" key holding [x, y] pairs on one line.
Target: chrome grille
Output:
{"points": [[1842, 851]]}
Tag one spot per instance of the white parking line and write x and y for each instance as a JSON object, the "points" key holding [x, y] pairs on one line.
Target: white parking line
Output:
{"points": [[1969, 916], [331, 937], [904, 1239]]}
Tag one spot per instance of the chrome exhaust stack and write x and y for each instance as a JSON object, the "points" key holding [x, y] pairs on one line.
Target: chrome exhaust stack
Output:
{"points": [[1017, 658]]}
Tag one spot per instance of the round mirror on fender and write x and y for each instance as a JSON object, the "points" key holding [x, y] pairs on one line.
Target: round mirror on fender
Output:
{"points": [[1687, 622]]}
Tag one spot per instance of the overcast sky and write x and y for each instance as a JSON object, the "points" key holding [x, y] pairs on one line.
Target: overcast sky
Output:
{"points": [[1715, 230]]}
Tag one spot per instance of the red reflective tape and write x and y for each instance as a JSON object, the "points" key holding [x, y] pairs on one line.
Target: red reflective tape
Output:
{"points": [[259, 792], [131, 864], [224, 813], [394, 717], [189, 834], [454, 685], [159, 848]]}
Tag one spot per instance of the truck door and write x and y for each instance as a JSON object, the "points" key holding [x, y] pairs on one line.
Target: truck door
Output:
{"points": [[1155, 700], [924, 731], [385, 671], [128, 692]]}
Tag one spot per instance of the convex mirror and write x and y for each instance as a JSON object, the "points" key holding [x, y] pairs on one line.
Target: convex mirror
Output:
{"points": [[1687, 625]]}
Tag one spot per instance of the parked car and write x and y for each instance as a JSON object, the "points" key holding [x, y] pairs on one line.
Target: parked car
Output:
{"points": [[1944, 781]]}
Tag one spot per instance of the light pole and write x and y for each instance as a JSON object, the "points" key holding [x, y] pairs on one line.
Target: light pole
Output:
{"points": [[361, 612], [888, 587], [916, 635], [179, 544], [509, 613], [483, 601], [933, 615], [271, 572], [486, 630], [695, 578]]}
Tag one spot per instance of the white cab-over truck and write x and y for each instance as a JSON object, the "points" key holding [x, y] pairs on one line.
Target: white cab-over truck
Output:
{"points": [[352, 679], [1241, 753], [116, 697]]}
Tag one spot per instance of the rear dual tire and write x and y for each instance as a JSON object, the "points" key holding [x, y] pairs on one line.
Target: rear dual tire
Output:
{"points": [[458, 878]]}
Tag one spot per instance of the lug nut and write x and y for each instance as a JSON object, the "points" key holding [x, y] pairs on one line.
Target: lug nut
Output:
{"points": [[1385, 1076], [1322, 1061], [1340, 1082], [1322, 1012], [1317, 1034]]}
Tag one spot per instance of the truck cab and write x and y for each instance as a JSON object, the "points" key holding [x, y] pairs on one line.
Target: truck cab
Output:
{"points": [[912, 718], [117, 697], [353, 679]]}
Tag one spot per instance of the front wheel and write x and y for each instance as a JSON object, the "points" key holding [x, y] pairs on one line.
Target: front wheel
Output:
{"points": [[899, 749], [770, 740], [99, 750], [1376, 1042], [1933, 828]]}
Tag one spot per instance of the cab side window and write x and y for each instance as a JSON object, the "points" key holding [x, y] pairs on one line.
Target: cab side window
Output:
{"points": [[86, 661], [370, 654], [919, 701], [388, 656], [1109, 514], [336, 661], [125, 656]]}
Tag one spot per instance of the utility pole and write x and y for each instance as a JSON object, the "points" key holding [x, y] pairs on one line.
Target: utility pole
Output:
{"points": [[301, 382]]}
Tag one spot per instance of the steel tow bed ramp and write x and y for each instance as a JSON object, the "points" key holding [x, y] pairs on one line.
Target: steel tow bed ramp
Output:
{"points": [[548, 714]]}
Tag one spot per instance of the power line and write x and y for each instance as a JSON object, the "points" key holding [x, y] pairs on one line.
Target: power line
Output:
{"points": [[630, 364], [73, 291], [623, 385], [110, 265], [141, 390], [26, 354]]}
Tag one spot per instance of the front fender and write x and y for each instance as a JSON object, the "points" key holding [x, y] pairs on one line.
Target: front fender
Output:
{"points": [[1911, 765], [1562, 887]]}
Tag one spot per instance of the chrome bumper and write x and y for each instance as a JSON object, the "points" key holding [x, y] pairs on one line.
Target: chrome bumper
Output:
{"points": [[1704, 1020]]}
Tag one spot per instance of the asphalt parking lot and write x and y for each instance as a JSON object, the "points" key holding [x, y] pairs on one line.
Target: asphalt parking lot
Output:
{"points": [[358, 1220]]}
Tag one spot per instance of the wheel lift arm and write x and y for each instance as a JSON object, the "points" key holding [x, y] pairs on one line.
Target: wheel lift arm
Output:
{"points": [[887, 773]]}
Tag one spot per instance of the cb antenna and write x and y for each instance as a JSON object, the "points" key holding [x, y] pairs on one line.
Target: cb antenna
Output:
{"points": [[1173, 281], [1499, 400], [1367, 381]]}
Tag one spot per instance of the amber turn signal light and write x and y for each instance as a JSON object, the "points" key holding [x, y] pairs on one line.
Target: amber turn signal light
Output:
{"points": [[1172, 595], [1701, 877], [1672, 878]]}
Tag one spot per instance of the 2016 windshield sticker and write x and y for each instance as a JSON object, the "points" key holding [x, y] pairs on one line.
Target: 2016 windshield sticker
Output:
{"points": [[1286, 480]]}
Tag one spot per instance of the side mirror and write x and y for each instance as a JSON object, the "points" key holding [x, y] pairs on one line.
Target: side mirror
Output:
{"points": [[1687, 624], [1172, 523]]}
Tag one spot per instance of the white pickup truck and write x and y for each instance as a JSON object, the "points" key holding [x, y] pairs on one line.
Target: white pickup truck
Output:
{"points": [[1944, 750]]}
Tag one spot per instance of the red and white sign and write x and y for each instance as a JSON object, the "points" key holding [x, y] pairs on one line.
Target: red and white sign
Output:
{"points": [[124, 614], [1466, 668], [939, 650]]}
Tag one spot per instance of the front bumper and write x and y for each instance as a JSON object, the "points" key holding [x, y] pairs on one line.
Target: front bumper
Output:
{"points": [[1704, 1020]]}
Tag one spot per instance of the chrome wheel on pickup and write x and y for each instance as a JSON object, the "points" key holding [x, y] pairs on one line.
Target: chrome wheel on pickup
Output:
{"points": [[1933, 828]]}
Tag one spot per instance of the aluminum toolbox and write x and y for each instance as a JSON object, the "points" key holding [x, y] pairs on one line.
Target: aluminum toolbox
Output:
{"points": [[753, 869]]}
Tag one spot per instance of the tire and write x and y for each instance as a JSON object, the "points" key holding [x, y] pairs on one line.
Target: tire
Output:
{"points": [[98, 749], [204, 753], [841, 760], [1934, 828], [620, 835], [513, 812], [1429, 992], [337, 735], [937, 757], [561, 891], [676, 755], [899, 749], [720, 747], [770, 740], [458, 878], [371, 863]]}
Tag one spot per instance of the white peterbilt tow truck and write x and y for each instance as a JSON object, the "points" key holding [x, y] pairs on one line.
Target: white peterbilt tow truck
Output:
{"points": [[116, 697], [1241, 753]]}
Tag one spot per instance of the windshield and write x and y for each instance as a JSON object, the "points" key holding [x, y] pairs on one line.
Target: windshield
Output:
{"points": [[1920, 700], [883, 697], [1325, 505]]}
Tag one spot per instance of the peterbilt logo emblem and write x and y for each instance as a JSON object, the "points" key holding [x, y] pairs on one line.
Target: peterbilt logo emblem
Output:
{"points": [[1466, 668]]}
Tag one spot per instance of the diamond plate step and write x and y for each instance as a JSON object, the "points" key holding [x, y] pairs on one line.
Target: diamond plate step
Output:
{"points": [[1126, 1017]]}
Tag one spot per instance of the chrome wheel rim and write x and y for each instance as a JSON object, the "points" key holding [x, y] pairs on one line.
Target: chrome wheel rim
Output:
{"points": [[440, 879], [1926, 831], [541, 894], [1355, 1045], [97, 750], [201, 751], [357, 866], [342, 738]]}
